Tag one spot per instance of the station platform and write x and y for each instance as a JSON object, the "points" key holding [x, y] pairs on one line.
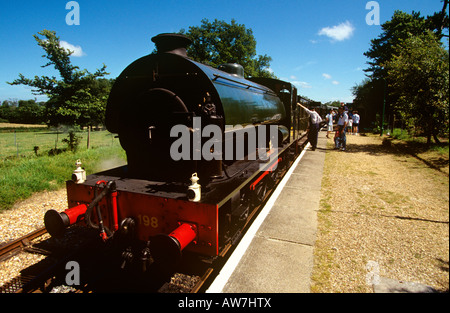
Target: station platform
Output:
{"points": [[276, 253]]}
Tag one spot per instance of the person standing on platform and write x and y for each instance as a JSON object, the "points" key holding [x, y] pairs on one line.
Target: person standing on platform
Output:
{"points": [[341, 140], [329, 118], [314, 119], [356, 119], [350, 125]]}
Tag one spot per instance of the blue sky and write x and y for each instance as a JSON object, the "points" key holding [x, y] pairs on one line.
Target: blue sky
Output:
{"points": [[318, 45]]}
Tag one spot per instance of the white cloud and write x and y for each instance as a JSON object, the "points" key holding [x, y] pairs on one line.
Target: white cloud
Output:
{"points": [[77, 51], [340, 32], [300, 84], [305, 65], [328, 76]]}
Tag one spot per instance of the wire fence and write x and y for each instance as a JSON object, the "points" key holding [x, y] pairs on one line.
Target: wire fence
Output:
{"points": [[17, 143]]}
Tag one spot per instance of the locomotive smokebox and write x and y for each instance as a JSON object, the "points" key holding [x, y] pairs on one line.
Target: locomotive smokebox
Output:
{"points": [[171, 43]]}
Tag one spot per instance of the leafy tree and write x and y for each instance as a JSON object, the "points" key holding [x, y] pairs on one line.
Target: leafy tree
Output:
{"points": [[72, 141], [369, 98], [439, 21], [99, 90], [218, 42], [29, 112], [418, 77], [394, 31], [7, 111], [372, 93], [22, 111], [399, 28], [73, 99]]}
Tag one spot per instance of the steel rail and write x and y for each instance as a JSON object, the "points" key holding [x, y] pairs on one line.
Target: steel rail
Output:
{"points": [[16, 245]]}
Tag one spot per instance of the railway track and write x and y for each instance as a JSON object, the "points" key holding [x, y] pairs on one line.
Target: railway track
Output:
{"points": [[13, 247], [48, 275]]}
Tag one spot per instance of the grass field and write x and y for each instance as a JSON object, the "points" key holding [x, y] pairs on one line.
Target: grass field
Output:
{"points": [[21, 143], [14, 125], [23, 173]]}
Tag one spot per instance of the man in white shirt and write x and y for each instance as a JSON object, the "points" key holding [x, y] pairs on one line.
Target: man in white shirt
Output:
{"points": [[356, 119], [341, 139], [329, 118], [314, 127]]}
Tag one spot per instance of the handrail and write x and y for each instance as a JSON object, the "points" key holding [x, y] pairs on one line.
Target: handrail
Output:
{"points": [[244, 84]]}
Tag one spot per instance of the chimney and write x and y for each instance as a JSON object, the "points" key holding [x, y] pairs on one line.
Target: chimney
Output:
{"points": [[172, 43]]}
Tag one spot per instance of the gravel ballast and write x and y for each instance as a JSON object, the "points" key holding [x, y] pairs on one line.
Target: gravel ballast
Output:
{"points": [[25, 217]]}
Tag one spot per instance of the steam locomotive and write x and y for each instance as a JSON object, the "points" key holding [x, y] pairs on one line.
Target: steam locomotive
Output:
{"points": [[203, 146]]}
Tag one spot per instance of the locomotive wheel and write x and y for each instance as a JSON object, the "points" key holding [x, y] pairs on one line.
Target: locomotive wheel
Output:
{"points": [[260, 193], [272, 179]]}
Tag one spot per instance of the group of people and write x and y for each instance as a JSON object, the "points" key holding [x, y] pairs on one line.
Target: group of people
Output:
{"points": [[344, 123]]}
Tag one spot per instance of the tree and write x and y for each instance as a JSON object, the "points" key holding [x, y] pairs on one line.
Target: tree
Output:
{"points": [[99, 90], [22, 111], [394, 31], [440, 21], [374, 92], [418, 77], [7, 109], [72, 99], [369, 99], [29, 112], [400, 27], [218, 42]]}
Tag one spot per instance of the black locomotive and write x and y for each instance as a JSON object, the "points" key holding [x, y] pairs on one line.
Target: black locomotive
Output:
{"points": [[203, 146]]}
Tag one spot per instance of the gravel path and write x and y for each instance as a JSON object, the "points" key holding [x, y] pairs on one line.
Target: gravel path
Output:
{"points": [[22, 219], [383, 214], [28, 215]]}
